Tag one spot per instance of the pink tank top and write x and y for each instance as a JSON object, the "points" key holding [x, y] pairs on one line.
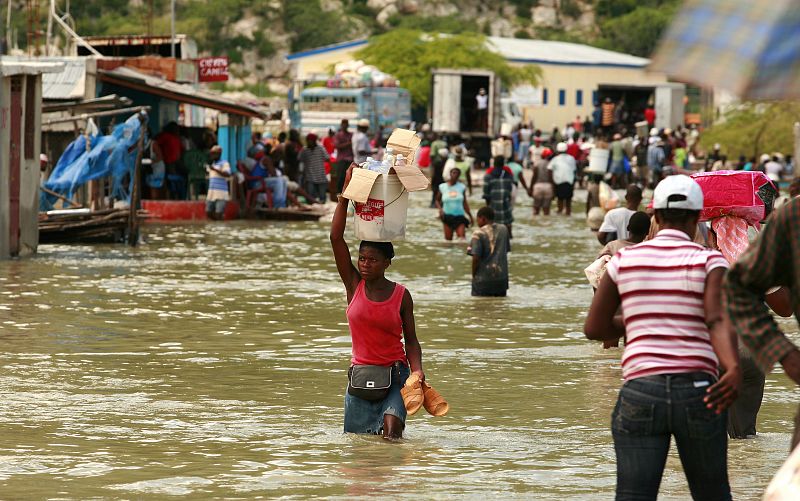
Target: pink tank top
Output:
{"points": [[376, 328]]}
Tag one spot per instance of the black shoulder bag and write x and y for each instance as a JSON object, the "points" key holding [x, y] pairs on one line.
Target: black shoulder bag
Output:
{"points": [[369, 382]]}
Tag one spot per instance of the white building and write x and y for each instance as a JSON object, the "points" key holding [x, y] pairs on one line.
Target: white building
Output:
{"points": [[574, 76]]}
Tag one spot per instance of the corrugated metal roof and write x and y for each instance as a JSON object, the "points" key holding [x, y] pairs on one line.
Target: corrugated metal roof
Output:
{"points": [[129, 77], [525, 51], [327, 48], [564, 53], [69, 84]]}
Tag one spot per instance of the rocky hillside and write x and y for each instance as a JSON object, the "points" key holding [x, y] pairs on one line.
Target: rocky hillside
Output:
{"points": [[257, 34]]}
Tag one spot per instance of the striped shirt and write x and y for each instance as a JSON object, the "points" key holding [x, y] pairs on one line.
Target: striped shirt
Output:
{"points": [[313, 160], [217, 183], [661, 283]]}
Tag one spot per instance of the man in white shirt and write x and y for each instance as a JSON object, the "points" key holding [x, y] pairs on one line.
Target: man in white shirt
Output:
{"points": [[482, 102], [361, 146], [615, 223], [564, 169], [773, 169]]}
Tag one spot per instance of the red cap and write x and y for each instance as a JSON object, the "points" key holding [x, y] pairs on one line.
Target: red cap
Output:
{"points": [[311, 137]]}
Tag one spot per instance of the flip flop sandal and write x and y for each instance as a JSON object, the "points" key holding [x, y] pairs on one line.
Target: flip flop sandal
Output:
{"points": [[413, 397], [434, 402]]}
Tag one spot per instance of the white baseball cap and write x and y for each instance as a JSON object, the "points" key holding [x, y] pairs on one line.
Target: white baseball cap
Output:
{"points": [[364, 122], [561, 147], [653, 131], [685, 190]]}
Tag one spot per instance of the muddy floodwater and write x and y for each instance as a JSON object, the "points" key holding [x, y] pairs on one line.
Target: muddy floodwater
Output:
{"points": [[211, 362]]}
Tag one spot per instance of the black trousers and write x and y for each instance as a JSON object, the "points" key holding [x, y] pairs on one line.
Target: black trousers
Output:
{"points": [[744, 411]]}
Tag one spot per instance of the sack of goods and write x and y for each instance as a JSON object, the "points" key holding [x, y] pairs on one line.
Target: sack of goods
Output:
{"points": [[608, 197], [380, 189], [749, 195]]}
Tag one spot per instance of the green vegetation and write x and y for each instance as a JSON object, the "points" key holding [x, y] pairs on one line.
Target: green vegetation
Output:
{"points": [[754, 128], [433, 24], [409, 55], [311, 26], [570, 8], [637, 32], [524, 7]]}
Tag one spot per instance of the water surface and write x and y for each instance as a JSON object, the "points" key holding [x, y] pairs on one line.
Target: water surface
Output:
{"points": [[211, 362]]}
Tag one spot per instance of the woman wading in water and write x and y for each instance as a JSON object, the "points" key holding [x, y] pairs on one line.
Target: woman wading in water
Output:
{"points": [[380, 313]]}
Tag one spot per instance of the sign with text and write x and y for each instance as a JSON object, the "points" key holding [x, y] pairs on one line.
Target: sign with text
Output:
{"points": [[213, 69]]}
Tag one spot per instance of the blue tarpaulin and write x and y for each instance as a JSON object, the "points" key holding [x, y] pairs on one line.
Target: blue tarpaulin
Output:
{"points": [[111, 156]]}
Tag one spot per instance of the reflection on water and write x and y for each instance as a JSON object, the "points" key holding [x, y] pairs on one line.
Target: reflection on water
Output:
{"points": [[211, 362]]}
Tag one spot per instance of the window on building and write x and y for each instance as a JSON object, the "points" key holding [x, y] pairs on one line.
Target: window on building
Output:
{"points": [[544, 96], [579, 97], [562, 97], [594, 97]]}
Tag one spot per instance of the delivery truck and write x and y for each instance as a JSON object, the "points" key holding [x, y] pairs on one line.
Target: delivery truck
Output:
{"points": [[454, 103]]}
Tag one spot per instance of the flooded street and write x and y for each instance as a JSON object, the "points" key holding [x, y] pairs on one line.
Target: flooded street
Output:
{"points": [[211, 362]]}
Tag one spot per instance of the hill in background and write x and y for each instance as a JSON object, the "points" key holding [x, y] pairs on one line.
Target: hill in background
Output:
{"points": [[257, 34]]}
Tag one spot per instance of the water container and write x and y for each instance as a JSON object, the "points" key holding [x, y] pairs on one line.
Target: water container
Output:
{"points": [[598, 161], [383, 217], [388, 158]]}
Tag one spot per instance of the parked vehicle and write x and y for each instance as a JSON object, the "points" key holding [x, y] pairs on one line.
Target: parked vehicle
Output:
{"points": [[320, 108], [454, 107]]}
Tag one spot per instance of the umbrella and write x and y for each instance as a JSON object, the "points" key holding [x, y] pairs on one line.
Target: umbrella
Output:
{"points": [[750, 47]]}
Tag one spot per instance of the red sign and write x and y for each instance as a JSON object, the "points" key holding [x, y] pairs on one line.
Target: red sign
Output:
{"points": [[213, 69], [371, 211]]}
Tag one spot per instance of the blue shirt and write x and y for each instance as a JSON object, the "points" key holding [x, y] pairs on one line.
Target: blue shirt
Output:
{"points": [[516, 169], [453, 198]]}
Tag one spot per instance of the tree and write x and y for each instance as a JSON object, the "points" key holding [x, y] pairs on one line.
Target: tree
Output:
{"points": [[638, 31], [752, 129], [410, 55]]}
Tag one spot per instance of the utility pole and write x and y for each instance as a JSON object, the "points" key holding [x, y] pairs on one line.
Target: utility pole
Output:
{"points": [[8, 26], [48, 51], [172, 29]]}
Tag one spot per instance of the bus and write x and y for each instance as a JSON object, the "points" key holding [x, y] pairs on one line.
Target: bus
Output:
{"points": [[321, 108]]}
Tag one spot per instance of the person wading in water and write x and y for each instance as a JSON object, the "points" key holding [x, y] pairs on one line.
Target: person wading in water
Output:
{"points": [[380, 313]]}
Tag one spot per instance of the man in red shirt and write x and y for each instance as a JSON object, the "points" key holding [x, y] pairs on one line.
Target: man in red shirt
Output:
{"points": [[650, 115], [169, 141], [343, 140]]}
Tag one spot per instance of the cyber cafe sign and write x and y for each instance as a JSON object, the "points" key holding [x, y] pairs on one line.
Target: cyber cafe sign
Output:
{"points": [[213, 69]]}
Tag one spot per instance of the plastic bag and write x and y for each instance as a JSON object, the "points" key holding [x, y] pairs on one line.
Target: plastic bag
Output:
{"points": [[608, 197]]}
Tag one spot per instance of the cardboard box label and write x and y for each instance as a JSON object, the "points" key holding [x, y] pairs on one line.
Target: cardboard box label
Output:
{"points": [[371, 210]]}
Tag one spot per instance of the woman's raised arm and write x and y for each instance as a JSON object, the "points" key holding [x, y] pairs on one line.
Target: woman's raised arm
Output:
{"points": [[341, 252]]}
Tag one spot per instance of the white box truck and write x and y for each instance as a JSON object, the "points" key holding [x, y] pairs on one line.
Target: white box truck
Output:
{"points": [[453, 107]]}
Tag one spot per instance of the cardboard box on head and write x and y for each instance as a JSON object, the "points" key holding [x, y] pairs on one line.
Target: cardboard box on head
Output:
{"points": [[382, 199], [404, 142]]}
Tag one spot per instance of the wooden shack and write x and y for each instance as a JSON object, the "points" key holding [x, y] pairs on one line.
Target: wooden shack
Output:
{"points": [[20, 138]]}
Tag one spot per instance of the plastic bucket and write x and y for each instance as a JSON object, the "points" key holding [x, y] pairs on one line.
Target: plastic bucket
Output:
{"points": [[383, 217], [598, 161]]}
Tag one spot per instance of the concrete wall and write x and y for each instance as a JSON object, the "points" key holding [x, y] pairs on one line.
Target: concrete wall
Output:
{"points": [[29, 169]]}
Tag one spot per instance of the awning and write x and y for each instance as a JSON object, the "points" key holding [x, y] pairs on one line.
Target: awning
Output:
{"points": [[132, 79]]}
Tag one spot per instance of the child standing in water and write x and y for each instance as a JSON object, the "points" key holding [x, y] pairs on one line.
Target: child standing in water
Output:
{"points": [[380, 314]]}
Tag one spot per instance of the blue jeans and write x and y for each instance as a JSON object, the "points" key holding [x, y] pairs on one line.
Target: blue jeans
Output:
{"points": [[649, 412], [278, 185]]}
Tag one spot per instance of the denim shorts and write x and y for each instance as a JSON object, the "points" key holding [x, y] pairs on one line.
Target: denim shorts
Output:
{"points": [[365, 416]]}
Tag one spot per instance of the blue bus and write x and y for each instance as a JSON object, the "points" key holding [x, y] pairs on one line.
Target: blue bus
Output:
{"points": [[320, 108]]}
